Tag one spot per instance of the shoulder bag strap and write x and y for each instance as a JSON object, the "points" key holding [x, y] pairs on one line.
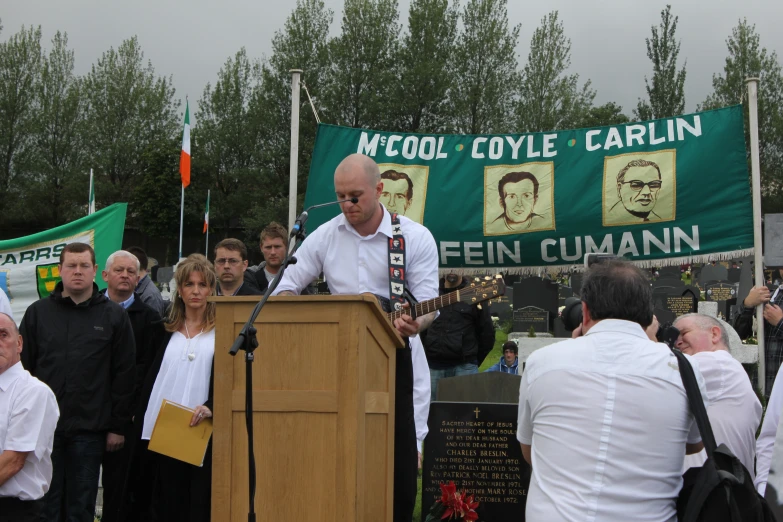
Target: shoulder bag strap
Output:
{"points": [[696, 402]]}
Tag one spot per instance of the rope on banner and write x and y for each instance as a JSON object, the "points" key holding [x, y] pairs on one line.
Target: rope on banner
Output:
{"points": [[312, 105]]}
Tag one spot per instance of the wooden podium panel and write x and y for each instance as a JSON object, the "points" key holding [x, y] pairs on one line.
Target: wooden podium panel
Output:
{"points": [[323, 410]]}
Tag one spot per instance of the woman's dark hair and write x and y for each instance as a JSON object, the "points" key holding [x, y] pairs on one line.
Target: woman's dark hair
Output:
{"points": [[617, 289]]}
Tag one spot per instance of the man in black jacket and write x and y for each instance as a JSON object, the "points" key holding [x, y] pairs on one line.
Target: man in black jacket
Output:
{"points": [[121, 276], [81, 345], [274, 246], [459, 339]]}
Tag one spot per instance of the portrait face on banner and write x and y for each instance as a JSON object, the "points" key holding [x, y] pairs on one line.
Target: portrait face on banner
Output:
{"points": [[519, 198], [404, 189], [639, 188]]}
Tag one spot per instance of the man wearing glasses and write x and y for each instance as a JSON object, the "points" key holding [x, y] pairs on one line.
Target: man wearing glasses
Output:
{"points": [[518, 194], [638, 186], [230, 265]]}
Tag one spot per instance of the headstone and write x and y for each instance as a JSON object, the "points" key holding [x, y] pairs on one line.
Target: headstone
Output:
{"points": [[721, 291], [541, 293], [164, 274], [560, 329], [563, 293], [711, 273], [746, 278], [708, 308], [773, 239], [670, 302], [531, 316], [695, 274], [322, 288], [511, 279], [576, 283], [672, 272], [475, 445], [480, 387], [501, 308], [734, 274]]}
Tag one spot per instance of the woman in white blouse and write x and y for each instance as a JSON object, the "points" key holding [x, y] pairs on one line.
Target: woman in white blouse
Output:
{"points": [[182, 373]]}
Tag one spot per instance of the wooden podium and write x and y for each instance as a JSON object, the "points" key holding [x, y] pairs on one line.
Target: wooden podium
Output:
{"points": [[323, 410]]}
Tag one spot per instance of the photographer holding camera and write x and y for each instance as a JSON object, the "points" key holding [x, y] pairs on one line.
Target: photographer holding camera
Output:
{"points": [[604, 418]]}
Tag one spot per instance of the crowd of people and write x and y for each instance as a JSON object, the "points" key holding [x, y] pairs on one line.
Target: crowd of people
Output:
{"points": [[603, 418]]}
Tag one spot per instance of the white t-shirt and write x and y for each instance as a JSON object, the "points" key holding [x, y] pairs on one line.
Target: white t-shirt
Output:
{"points": [[607, 417], [734, 410], [28, 418], [183, 377]]}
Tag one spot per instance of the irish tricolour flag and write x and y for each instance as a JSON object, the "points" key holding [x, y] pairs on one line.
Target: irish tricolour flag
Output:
{"points": [[184, 158]]}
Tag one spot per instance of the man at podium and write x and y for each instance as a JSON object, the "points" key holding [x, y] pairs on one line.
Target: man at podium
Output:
{"points": [[366, 249]]}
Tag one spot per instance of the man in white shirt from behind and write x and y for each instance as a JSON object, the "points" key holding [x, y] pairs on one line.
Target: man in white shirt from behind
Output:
{"points": [[28, 417], [604, 418], [734, 410]]}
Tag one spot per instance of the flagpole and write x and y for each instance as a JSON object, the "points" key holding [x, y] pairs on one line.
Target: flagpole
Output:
{"points": [[753, 87], [91, 197], [206, 224], [294, 146], [181, 219]]}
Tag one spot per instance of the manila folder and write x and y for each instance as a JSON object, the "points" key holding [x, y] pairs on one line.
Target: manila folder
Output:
{"points": [[174, 437]]}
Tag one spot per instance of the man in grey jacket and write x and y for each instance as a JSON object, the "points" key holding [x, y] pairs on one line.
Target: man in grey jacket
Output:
{"points": [[146, 289]]}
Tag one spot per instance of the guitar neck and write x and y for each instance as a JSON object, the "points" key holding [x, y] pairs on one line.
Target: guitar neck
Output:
{"points": [[428, 307]]}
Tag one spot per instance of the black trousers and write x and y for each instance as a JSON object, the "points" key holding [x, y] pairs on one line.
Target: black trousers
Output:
{"points": [[405, 451], [115, 469], [14, 510], [183, 492]]}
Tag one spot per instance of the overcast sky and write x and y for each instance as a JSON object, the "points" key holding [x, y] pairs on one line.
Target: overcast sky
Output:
{"points": [[191, 40]]}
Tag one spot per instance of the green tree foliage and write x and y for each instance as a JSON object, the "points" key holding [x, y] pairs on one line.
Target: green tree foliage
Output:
{"points": [[666, 93], [20, 61], [426, 76], [130, 109], [607, 114], [59, 179], [748, 59], [549, 98], [225, 139], [301, 44], [484, 69], [363, 63]]}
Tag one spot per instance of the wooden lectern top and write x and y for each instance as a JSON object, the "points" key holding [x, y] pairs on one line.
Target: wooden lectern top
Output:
{"points": [[368, 298]]}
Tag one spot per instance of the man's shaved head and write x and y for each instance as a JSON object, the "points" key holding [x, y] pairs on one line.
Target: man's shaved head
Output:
{"points": [[360, 161]]}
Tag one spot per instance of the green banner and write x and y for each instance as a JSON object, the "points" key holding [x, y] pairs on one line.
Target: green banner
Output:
{"points": [[28, 265], [660, 192]]}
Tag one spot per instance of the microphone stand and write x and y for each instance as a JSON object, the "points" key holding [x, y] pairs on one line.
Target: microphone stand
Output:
{"points": [[247, 341]]}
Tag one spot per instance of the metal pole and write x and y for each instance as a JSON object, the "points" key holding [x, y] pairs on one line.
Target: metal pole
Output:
{"points": [[181, 219], [206, 253], [753, 89], [294, 147]]}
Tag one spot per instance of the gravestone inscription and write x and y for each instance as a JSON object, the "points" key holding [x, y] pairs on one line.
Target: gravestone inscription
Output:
{"points": [[538, 292], [531, 316], [722, 292], [475, 445]]}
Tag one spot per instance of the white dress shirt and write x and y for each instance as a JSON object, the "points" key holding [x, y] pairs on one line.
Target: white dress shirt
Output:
{"points": [[354, 264], [734, 410], [183, 377], [421, 390], [769, 428], [607, 417], [5, 304], [28, 418]]}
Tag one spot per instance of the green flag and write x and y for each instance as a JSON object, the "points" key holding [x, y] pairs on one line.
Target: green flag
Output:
{"points": [[29, 265], [660, 192]]}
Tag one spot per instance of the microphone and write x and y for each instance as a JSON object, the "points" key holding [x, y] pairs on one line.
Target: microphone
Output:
{"points": [[302, 219]]}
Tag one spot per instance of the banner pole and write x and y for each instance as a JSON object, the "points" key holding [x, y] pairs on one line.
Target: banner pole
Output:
{"points": [[753, 88], [206, 252], [181, 219], [294, 147]]}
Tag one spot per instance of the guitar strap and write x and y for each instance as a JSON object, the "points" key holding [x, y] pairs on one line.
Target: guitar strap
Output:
{"points": [[396, 265]]}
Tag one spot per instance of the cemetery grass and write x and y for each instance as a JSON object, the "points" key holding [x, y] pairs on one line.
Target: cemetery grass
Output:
{"points": [[493, 357]]}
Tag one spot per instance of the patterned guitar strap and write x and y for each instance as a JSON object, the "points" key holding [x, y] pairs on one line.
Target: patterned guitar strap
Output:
{"points": [[396, 265]]}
